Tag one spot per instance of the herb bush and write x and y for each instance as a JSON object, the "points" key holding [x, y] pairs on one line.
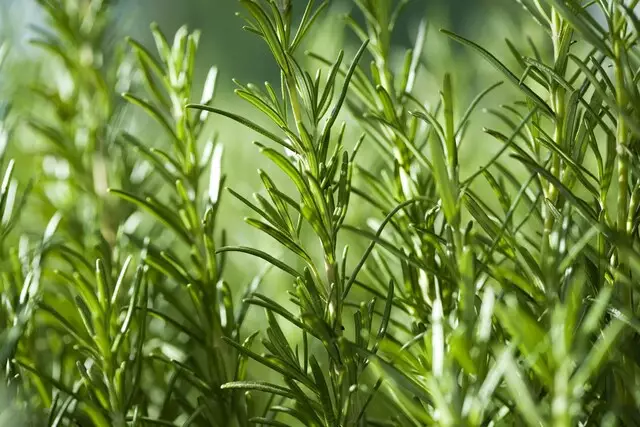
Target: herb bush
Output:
{"points": [[498, 295]]}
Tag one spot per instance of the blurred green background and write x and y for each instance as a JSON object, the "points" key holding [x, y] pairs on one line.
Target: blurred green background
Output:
{"points": [[242, 56]]}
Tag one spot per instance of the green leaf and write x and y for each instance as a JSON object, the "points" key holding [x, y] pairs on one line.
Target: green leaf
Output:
{"points": [[369, 249], [609, 100], [161, 43], [260, 254], [152, 111], [586, 25], [103, 284], [504, 70], [580, 204], [308, 18], [330, 84], [271, 363], [268, 32], [384, 322], [269, 111], [69, 328], [296, 177], [246, 122], [57, 384], [409, 75], [446, 190], [598, 354], [259, 386], [529, 337], [163, 214], [280, 237], [323, 391], [151, 71], [166, 170], [138, 283], [343, 94], [520, 391], [273, 306], [278, 200], [472, 106]]}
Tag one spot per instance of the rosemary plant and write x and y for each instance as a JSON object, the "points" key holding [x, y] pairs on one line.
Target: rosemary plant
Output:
{"points": [[313, 158], [503, 295], [189, 293], [76, 276]]}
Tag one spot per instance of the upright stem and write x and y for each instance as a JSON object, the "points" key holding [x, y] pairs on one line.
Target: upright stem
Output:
{"points": [[335, 303], [621, 132], [557, 96], [560, 34]]}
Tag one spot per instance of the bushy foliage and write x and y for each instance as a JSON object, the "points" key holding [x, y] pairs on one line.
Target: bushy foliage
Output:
{"points": [[503, 295]]}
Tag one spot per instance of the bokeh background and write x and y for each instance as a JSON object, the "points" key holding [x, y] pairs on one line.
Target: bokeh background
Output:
{"points": [[240, 55]]}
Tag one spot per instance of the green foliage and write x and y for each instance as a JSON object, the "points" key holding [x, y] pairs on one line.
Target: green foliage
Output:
{"points": [[504, 295]]}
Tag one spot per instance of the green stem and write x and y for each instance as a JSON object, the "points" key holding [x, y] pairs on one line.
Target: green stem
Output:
{"points": [[335, 303], [621, 139], [558, 105], [621, 132], [633, 206]]}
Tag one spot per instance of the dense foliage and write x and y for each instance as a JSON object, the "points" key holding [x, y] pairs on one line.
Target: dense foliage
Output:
{"points": [[503, 295]]}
